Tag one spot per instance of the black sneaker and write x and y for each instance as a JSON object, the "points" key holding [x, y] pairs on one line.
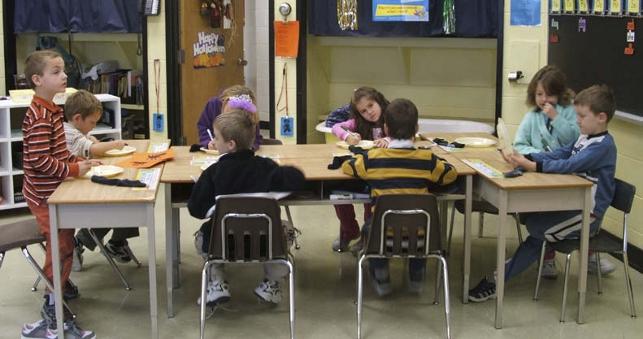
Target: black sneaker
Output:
{"points": [[70, 291], [48, 311], [118, 251], [484, 291], [85, 239]]}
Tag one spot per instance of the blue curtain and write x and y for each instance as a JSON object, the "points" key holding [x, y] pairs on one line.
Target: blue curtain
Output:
{"points": [[98, 16], [474, 18]]}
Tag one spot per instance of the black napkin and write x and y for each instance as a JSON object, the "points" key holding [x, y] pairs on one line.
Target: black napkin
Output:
{"points": [[338, 161], [117, 182], [195, 148]]}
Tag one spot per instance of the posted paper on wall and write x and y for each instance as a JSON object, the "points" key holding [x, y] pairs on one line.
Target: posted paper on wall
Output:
{"points": [[525, 13]]}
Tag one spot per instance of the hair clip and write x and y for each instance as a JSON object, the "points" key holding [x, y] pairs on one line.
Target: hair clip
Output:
{"points": [[243, 101]]}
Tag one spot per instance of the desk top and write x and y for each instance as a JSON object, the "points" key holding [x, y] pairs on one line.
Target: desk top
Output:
{"points": [[83, 191]]}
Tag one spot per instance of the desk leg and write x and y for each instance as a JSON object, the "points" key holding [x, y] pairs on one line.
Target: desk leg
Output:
{"points": [[500, 257], [171, 267], [151, 239], [55, 262], [584, 246], [466, 256]]}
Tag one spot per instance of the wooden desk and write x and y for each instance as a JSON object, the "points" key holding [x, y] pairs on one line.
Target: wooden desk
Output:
{"points": [[532, 192], [82, 203], [312, 159]]}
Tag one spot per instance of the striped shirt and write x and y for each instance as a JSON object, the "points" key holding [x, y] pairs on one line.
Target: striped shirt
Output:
{"points": [[46, 160], [399, 170]]}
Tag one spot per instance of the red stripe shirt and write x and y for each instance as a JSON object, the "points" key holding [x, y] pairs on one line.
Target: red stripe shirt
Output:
{"points": [[46, 160]]}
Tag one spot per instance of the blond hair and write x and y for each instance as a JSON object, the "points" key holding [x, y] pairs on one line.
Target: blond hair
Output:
{"points": [[238, 125], [36, 63], [83, 103]]}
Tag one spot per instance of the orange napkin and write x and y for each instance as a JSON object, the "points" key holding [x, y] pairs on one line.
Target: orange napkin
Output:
{"points": [[147, 160]]}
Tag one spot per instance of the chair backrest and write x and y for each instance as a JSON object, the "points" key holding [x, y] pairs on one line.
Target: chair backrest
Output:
{"points": [[403, 225], [247, 229], [623, 196], [270, 141]]}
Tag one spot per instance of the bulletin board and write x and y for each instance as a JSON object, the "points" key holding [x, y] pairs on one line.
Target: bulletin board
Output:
{"points": [[593, 52]]}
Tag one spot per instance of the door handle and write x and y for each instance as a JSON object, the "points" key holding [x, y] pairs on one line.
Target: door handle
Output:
{"points": [[242, 62]]}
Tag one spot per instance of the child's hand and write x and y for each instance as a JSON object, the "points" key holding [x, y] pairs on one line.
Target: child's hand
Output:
{"points": [[211, 145], [550, 110], [118, 144], [353, 139], [519, 160], [381, 143], [85, 165]]}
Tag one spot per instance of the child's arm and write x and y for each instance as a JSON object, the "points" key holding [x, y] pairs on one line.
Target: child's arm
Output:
{"points": [[565, 127], [38, 137], [287, 179], [203, 195], [210, 112], [522, 141], [98, 149], [355, 167], [344, 129], [443, 173], [587, 159]]}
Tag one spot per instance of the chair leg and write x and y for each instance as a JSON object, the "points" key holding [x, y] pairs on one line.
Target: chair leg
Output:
{"points": [[205, 274], [628, 285], [540, 270], [518, 229], [480, 224], [599, 279], [447, 302], [289, 216], [438, 275], [291, 290], [1, 258], [131, 255], [360, 285], [111, 262], [41, 273], [34, 288], [563, 306], [451, 230]]}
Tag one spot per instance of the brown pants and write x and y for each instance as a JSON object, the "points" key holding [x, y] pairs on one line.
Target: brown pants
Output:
{"points": [[65, 240]]}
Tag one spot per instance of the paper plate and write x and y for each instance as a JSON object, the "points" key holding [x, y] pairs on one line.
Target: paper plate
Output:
{"points": [[123, 151], [365, 144], [476, 142], [209, 151], [104, 171]]}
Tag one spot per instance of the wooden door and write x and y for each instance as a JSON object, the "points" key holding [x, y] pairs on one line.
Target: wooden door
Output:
{"points": [[204, 30]]}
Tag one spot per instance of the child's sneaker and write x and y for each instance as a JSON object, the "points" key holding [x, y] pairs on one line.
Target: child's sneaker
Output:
{"points": [[342, 243], [269, 291], [549, 269], [34, 330], [72, 331], [70, 291], [118, 251], [48, 311], [484, 291], [381, 281], [607, 266], [217, 293]]}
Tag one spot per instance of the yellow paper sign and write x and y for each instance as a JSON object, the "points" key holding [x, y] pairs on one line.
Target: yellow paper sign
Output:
{"points": [[633, 6], [583, 7], [397, 10], [570, 6], [616, 6], [555, 6], [599, 6]]}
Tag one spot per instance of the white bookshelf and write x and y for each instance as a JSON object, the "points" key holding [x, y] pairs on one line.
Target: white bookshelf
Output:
{"points": [[11, 116]]}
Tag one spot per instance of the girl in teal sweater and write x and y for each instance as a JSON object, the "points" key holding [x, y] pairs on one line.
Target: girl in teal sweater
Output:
{"points": [[552, 121]]}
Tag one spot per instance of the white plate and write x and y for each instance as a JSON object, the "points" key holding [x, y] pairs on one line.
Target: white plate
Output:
{"points": [[123, 151], [209, 151], [476, 141], [365, 144], [104, 171]]}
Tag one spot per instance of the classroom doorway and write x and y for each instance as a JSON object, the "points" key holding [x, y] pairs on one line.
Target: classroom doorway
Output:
{"points": [[211, 55]]}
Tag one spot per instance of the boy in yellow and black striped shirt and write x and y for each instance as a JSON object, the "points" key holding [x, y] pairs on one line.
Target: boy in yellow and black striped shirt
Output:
{"points": [[399, 169]]}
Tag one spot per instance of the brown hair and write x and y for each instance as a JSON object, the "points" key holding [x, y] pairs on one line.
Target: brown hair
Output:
{"points": [[599, 99], [401, 119], [364, 127], [36, 62], [83, 103], [237, 125], [553, 81], [236, 90]]}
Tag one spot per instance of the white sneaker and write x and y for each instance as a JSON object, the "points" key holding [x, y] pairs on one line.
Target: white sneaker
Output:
{"points": [[72, 331], [217, 293], [549, 269], [607, 266], [269, 291]]}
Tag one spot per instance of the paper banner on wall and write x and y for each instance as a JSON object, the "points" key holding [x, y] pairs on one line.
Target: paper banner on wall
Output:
{"points": [[616, 7], [401, 10], [286, 38], [208, 50], [599, 7], [525, 13], [633, 6]]}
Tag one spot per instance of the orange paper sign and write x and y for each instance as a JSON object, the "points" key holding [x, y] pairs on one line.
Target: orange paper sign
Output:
{"points": [[286, 38]]}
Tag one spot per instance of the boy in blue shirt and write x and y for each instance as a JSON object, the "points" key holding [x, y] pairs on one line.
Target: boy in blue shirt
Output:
{"points": [[592, 156]]}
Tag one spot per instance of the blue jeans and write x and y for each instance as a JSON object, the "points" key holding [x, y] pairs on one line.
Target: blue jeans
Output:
{"points": [[550, 226]]}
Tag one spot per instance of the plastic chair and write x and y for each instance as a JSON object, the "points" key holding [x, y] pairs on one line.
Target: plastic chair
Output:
{"points": [[405, 226], [482, 207], [601, 242], [248, 230], [21, 234]]}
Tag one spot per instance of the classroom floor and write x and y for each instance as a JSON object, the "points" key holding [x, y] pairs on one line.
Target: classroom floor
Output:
{"points": [[325, 293]]}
